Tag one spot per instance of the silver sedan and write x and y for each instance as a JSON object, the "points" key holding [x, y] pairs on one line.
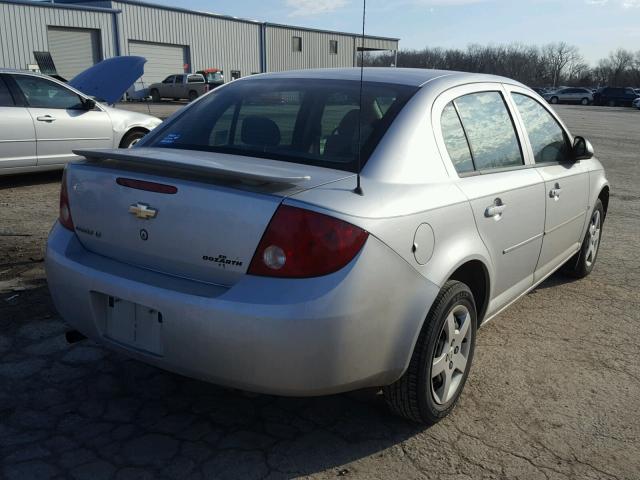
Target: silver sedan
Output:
{"points": [[238, 244], [42, 120], [582, 96]]}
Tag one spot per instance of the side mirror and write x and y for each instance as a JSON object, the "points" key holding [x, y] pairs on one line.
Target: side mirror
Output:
{"points": [[89, 104], [582, 149]]}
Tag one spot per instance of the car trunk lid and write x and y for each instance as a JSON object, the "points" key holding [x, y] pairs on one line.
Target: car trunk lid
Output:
{"points": [[198, 216]]}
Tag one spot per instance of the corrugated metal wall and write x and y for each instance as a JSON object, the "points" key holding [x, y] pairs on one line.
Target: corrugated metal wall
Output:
{"points": [[378, 43], [315, 49], [213, 42], [23, 29]]}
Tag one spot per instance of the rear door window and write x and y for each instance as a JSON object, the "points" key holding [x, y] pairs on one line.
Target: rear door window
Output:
{"points": [[490, 131], [547, 138], [456, 140]]}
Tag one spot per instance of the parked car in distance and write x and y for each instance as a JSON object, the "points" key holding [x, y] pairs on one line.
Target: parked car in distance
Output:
{"points": [[42, 120], [615, 96], [213, 76], [582, 96], [295, 282], [180, 86]]}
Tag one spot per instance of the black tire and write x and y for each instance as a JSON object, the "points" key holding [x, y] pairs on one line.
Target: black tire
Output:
{"points": [[554, 100], [582, 263], [131, 138], [611, 103], [155, 95], [193, 95], [412, 395], [584, 101]]}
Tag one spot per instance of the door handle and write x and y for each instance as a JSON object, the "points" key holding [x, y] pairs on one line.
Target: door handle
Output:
{"points": [[555, 191], [495, 210], [46, 118]]}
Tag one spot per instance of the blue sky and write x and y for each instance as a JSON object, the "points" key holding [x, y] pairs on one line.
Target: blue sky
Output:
{"points": [[595, 26]]}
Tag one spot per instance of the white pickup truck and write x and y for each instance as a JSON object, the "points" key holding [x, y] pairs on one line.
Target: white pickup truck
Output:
{"points": [[179, 86]]}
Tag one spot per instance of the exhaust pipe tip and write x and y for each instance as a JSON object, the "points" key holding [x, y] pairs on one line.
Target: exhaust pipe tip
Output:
{"points": [[74, 336]]}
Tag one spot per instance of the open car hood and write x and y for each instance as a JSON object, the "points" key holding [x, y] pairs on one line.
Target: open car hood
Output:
{"points": [[108, 80]]}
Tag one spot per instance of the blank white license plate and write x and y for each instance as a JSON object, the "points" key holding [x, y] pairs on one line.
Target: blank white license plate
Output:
{"points": [[134, 325]]}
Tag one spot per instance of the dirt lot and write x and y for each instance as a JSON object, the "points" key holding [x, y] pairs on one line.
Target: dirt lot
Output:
{"points": [[554, 392]]}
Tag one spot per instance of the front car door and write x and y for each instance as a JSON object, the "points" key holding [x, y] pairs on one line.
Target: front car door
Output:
{"points": [[61, 121], [166, 87], [17, 132], [566, 181], [505, 194]]}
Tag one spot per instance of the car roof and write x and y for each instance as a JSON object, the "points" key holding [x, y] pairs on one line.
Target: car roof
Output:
{"points": [[415, 77], [28, 72]]}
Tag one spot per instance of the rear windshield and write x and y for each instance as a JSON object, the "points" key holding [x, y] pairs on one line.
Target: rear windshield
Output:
{"points": [[308, 121]]}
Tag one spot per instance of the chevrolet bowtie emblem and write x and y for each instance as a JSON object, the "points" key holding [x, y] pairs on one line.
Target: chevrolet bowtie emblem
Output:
{"points": [[143, 211]]}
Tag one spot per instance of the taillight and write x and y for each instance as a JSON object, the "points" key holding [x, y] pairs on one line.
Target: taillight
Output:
{"points": [[64, 216], [300, 243], [206, 87]]}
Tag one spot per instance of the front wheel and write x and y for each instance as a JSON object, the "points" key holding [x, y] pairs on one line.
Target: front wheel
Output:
{"points": [[155, 95], [611, 103], [131, 138], [581, 264], [441, 359]]}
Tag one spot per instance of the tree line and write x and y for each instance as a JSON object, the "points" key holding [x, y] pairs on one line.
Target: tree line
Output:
{"points": [[551, 65]]}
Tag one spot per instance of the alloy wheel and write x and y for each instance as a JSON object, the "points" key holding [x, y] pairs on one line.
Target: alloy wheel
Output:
{"points": [[134, 141], [594, 238], [449, 361]]}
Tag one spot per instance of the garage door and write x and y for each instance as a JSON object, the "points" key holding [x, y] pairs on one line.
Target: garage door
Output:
{"points": [[73, 49], [162, 59]]}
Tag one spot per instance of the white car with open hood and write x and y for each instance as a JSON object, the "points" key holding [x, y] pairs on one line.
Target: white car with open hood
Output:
{"points": [[42, 120]]}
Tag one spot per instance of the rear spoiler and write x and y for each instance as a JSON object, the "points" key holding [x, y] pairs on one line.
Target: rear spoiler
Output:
{"points": [[232, 167]]}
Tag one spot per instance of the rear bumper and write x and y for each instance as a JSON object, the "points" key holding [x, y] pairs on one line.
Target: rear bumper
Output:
{"points": [[352, 329]]}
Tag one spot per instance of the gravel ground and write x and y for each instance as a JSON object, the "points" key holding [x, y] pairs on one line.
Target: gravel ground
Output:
{"points": [[554, 392]]}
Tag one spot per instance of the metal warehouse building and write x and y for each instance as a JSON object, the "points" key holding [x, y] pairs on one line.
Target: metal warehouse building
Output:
{"points": [[80, 33]]}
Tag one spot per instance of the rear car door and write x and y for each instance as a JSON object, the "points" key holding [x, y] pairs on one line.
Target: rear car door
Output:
{"points": [[506, 196], [61, 121], [178, 87], [17, 132], [566, 181]]}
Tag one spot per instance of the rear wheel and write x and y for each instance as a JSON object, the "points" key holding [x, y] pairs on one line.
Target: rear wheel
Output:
{"points": [[611, 103], [155, 95], [193, 95], [581, 264], [441, 359], [584, 101], [554, 100]]}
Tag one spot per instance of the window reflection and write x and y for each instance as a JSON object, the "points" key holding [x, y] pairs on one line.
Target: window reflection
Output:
{"points": [[545, 135], [490, 131], [455, 140]]}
